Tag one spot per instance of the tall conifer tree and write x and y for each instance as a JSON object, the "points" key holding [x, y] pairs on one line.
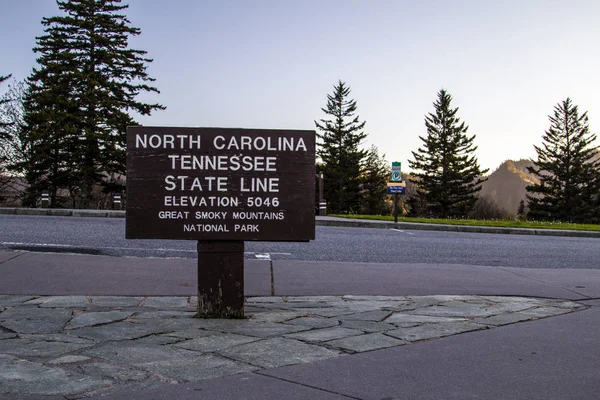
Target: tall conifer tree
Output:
{"points": [[568, 169], [376, 174], [82, 94], [340, 137], [4, 100], [446, 171], [14, 151]]}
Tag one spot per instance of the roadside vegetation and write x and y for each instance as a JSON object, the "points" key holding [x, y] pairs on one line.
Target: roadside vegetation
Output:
{"points": [[477, 222]]}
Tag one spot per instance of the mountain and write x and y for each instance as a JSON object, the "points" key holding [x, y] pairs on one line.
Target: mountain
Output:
{"points": [[506, 185]]}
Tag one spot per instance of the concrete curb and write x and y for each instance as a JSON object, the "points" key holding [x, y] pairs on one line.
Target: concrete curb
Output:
{"points": [[329, 221], [62, 212]]}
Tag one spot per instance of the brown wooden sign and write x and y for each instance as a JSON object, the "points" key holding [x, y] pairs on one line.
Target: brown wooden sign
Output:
{"points": [[220, 184]]}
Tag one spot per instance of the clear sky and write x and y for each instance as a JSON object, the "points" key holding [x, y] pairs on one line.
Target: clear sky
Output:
{"points": [[271, 64]]}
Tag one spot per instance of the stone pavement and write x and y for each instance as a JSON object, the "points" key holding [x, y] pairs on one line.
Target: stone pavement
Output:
{"points": [[80, 346]]}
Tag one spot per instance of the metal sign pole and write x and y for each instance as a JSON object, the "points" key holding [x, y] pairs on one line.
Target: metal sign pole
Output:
{"points": [[395, 208]]}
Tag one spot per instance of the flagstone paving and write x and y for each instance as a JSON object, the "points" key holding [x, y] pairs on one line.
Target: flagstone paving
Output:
{"points": [[77, 346]]}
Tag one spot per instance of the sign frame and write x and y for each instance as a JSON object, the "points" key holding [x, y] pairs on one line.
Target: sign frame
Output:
{"points": [[225, 184]]}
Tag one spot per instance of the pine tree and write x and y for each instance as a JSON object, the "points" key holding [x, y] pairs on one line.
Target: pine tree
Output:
{"points": [[2, 79], [4, 100], [14, 151], [339, 150], [446, 170], [567, 169], [375, 176], [81, 95]]}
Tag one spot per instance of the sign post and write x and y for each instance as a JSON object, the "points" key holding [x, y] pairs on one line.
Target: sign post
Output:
{"points": [[220, 187], [396, 186]]}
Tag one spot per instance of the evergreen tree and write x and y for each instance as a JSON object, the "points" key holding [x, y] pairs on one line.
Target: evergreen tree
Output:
{"points": [[4, 100], [375, 176], [446, 170], [80, 97], [13, 145], [338, 148], [567, 169]]}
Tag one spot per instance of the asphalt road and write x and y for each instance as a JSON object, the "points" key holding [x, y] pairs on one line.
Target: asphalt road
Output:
{"points": [[106, 236]]}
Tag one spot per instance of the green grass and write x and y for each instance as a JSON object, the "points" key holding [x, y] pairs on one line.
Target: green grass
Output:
{"points": [[474, 222]]}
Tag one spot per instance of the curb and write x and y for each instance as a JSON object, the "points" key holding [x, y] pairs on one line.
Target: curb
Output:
{"points": [[329, 221]]}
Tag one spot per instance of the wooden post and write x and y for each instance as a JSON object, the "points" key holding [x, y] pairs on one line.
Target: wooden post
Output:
{"points": [[220, 279]]}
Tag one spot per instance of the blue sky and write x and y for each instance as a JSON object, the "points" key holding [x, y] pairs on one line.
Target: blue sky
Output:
{"points": [[271, 64]]}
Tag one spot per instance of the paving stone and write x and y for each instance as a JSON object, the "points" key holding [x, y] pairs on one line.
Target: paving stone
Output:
{"points": [[56, 337], [164, 314], [215, 342], [157, 340], [119, 331], [374, 316], [323, 335], [367, 326], [28, 348], [315, 322], [419, 319], [192, 333], [115, 372], [24, 377], [274, 316], [326, 312], [12, 300], [7, 335], [34, 320], [508, 307], [454, 309], [180, 303], [134, 353], [446, 298], [503, 299], [262, 330], [115, 301], [542, 312], [70, 359], [267, 300], [430, 331], [299, 306], [416, 302], [204, 366], [330, 300], [172, 324], [373, 306], [162, 341], [366, 342], [374, 298], [277, 352], [561, 304], [65, 302], [502, 319], [96, 318]]}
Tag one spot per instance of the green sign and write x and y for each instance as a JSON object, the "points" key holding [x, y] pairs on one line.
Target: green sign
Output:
{"points": [[396, 174]]}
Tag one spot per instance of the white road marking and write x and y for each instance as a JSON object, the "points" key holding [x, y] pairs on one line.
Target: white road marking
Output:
{"points": [[266, 256], [399, 230]]}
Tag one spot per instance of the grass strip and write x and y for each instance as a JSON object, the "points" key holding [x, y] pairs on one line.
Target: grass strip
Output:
{"points": [[476, 222]]}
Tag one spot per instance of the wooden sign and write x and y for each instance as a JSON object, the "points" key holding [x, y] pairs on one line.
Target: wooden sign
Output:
{"points": [[220, 184]]}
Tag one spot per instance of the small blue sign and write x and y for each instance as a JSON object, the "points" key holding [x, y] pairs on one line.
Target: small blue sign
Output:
{"points": [[396, 189]]}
